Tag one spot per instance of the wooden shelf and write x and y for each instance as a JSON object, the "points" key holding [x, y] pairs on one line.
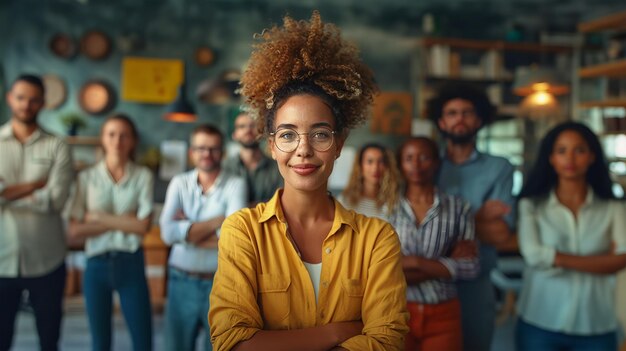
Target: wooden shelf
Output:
{"points": [[476, 80], [613, 133], [609, 69], [603, 103], [615, 21], [83, 140], [471, 44]]}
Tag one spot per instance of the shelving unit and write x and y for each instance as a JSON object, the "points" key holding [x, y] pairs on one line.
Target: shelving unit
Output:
{"points": [[601, 93], [605, 71], [86, 150]]}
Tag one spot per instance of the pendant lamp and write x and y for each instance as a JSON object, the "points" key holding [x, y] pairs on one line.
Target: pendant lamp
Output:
{"points": [[180, 110]]}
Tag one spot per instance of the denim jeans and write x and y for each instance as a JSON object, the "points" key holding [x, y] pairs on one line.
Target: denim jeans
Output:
{"points": [[186, 311], [531, 338], [125, 273], [45, 294]]}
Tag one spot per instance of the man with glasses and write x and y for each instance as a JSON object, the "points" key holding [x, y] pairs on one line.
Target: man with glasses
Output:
{"points": [[196, 204], [259, 171], [486, 182]]}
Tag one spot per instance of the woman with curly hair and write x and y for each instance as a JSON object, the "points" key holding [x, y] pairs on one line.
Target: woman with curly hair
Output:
{"points": [[571, 234], [301, 272], [373, 186]]}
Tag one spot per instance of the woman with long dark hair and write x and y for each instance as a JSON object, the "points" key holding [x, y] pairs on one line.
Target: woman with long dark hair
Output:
{"points": [[374, 183], [571, 233]]}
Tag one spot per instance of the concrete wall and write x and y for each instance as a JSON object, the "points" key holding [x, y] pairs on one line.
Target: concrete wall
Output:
{"points": [[385, 31]]}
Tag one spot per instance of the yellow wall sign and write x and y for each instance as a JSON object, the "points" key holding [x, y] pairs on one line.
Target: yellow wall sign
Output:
{"points": [[151, 80]]}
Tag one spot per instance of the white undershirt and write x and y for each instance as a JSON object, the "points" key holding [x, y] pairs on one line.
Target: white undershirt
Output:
{"points": [[315, 271]]}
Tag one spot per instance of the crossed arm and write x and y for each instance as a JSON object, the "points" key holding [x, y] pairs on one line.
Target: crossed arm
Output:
{"points": [[98, 222], [419, 269], [492, 229], [461, 262], [18, 191], [86, 222], [540, 255], [47, 194], [202, 233]]}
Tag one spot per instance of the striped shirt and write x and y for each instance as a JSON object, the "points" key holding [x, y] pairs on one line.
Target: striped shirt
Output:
{"points": [[447, 222]]}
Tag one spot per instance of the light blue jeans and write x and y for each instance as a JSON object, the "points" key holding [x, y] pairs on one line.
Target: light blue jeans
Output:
{"points": [[186, 311], [125, 273]]}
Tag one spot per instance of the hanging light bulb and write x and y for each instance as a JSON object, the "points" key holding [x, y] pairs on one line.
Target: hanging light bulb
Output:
{"points": [[531, 79], [539, 86], [541, 98], [180, 110]]}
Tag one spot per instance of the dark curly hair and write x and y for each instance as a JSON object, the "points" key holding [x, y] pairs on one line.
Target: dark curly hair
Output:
{"points": [[307, 57], [484, 109], [542, 178]]}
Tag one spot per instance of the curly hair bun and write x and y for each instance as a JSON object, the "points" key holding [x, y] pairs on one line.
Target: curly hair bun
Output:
{"points": [[307, 52]]}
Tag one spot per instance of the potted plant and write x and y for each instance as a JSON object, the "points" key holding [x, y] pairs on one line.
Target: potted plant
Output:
{"points": [[73, 121]]}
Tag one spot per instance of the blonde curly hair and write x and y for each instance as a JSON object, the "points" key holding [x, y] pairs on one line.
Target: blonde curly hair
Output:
{"points": [[307, 57], [389, 191]]}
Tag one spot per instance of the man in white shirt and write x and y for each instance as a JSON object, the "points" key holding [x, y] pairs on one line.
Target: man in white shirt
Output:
{"points": [[35, 175], [196, 204]]}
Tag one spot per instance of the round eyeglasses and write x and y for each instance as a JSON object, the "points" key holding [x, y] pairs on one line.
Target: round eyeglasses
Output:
{"points": [[287, 139]]}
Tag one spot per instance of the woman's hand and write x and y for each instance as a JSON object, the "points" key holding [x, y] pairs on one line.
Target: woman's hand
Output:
{"points": [[492, 209], [342, 331], [464, 249], [94, 217]]}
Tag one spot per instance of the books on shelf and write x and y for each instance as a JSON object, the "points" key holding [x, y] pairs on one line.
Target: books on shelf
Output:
{"points": [[443, 62]]}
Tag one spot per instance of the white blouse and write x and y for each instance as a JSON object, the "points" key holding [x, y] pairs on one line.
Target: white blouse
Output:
{"points": [[564, 300], [366, 207], [97, 191]]}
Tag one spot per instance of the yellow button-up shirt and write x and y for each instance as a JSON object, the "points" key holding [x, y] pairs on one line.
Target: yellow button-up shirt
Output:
{"points": [[262, 284]]}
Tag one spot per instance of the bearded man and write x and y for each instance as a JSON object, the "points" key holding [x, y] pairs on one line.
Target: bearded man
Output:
{"points": [[486, 182]]}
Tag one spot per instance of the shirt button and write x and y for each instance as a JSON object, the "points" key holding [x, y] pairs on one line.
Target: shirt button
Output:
{"points": [[328, 250], [325, 284]]}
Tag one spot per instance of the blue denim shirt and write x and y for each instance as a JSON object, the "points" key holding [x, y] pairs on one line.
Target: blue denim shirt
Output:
{"points": [[482, 177]]}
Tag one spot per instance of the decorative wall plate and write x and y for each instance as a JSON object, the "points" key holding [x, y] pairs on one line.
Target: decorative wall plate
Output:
{"points": [[204, 56], [96, 97], [56, 92], [96, 45], [63, 46]]}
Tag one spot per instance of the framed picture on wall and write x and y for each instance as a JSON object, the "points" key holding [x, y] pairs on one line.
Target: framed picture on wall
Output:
{"points": [[392, 113]]}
